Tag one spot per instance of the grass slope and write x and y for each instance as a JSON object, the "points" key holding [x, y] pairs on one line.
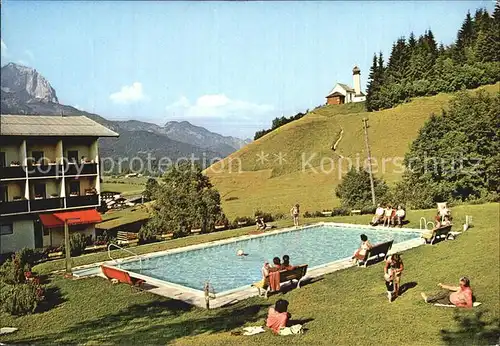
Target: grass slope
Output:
{"points": [[272, 186], [348, 307]]}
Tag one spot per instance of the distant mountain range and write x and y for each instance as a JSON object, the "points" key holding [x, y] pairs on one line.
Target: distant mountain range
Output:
{"points": [[25, 91]]}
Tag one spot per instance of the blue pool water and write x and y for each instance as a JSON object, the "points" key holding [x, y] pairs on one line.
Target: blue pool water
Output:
{"points": [[219, 264]]}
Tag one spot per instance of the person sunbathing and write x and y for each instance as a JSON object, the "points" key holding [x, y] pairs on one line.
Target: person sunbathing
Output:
{"points": [[278, 316], [460, 296], [360, 254]]}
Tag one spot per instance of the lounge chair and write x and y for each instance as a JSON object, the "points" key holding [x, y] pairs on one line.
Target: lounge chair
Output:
{"points": [[436, 234], [376, 252], [298, 273], [121, 276]]}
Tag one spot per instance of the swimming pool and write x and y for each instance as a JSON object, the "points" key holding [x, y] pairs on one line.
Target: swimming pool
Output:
{"points": [[316, 246]]}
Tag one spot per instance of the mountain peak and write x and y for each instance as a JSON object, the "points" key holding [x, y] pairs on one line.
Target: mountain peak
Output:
{"points": [[27, 84]]}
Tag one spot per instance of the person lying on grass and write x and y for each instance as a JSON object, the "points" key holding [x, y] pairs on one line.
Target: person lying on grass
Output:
{"points": [[278, 316], [460, 296]]}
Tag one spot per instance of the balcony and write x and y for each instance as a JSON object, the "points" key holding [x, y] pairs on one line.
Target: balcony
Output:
{"points": [[12, 172], [82, 201], [13, 207], [77, 169], [46, 204], [38, 171]]}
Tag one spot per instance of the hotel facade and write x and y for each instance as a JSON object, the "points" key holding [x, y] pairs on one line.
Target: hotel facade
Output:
{"points": [[49, 176]]}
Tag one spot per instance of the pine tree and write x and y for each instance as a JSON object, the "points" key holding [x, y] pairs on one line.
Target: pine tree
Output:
{"points": [[465, 39], [373, 87], [496, 13]]}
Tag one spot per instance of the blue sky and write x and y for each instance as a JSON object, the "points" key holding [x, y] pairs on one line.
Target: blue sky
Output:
{"points": [[228, 66]]}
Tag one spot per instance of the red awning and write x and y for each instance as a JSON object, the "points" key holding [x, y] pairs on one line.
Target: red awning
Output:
{"points": [[78, 217]]}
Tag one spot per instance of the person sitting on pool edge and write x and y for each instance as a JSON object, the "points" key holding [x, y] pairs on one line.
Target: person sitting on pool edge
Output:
{"points": [[259, 222], [286, 263], [360, 254]]}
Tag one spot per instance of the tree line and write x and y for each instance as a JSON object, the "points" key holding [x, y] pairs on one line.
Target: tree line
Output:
{"points": [[278, 122], [421, 67]]}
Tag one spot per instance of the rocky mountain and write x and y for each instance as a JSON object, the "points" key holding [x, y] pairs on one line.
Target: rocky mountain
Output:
{"points": [[186, 132], [25, 91], [27, 84]]}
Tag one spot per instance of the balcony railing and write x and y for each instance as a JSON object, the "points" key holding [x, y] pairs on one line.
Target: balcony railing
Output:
{"points": [[46, 204], [76, 169], [12, 172], [54, 170], [82, 201], [12, 207]]}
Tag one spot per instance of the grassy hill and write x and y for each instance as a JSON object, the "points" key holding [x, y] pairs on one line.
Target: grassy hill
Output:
{"points": [[296, 163]]}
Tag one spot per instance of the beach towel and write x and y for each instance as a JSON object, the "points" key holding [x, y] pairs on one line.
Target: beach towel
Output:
{"points": [[274, 281], [253, 330], [295, 329], [475, 304]]}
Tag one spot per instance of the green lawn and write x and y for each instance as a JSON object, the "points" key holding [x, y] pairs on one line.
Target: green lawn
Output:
{"points": [[125, 186], [348, 307]]}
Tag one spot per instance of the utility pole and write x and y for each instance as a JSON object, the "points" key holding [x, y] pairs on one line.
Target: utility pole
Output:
{"points": [[365, 126], [67, 245]]}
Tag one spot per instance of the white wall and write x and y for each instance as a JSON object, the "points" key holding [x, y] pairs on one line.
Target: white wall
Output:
{"points": [[359, 98], [23, 236]]}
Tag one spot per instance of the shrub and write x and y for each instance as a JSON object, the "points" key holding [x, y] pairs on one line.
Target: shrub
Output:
{"points": [[266, 216], [20, 299], [340, 212], [30, 257], [11, 272], [77, 244], [317, 214], [147, 234], [280, 216], [307, 214], [370, 209]]}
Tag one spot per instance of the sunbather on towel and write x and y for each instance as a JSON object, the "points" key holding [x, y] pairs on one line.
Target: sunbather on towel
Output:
{"points": [[278, 316], [460, 296]]}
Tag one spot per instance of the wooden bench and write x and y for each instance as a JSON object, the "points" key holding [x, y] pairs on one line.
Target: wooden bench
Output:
{"points": [[126, 237], [356, 212], [298, 273], [436, 234], [376, 252], [121, 276]]}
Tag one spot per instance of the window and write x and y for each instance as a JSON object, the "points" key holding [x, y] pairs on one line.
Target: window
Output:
{"points": [[37, 156], [73, 156], [6, 229], [74, 188], [40, 190], [2, 159], [4, 197]]}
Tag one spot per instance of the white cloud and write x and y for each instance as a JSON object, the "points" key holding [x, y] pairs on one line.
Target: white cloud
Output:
{"points": [[29, 54], [3, 48], [128, 94], [216, 106]]}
